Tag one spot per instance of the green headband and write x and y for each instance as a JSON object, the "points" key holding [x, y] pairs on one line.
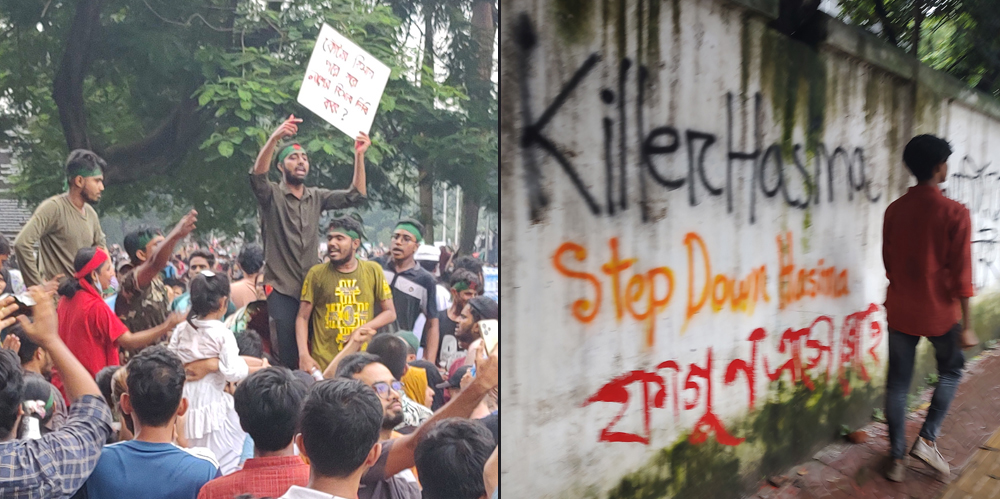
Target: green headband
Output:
{"points": [[286, 151], [144, 240], [412, 229], [96, 172], [341, 230], [462, 286]]}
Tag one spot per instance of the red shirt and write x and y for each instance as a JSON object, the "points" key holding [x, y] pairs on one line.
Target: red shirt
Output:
{"points": [[90, 328], [261, 477], [926, 248]]}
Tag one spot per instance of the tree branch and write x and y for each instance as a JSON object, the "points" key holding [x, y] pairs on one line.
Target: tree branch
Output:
{"points": [[883, 16], [157, 153]]}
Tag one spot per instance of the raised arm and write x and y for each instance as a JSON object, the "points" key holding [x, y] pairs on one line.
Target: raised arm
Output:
{"points": [[361, 145], [287, 128], [146, 272], [487, 377], [44, 331], [142, 339]]}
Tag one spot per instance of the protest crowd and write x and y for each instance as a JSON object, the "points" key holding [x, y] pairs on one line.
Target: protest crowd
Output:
{"points": [[161, 369]]}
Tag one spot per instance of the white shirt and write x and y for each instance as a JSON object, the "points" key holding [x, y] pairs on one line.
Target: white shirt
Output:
{"points": [[297, 492], [443, 303]]}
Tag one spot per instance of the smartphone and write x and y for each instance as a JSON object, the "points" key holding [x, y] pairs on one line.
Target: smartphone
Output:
{"points": [[490, 330], [24, 302]]}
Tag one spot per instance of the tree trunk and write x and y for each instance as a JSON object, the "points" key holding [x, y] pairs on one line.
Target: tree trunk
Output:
{"points": [[424, 174], [483, 32], [158, 152], [470, 224], [918, 21]]}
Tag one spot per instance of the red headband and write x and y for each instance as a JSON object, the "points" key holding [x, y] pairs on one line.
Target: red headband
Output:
{"points": [[100, 256]]}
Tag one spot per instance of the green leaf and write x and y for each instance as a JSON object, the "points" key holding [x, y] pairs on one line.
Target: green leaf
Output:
{"points": [[206, 96], [226, 149]]}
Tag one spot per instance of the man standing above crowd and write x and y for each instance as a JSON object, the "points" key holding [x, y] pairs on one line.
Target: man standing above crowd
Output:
{"points": [[289, 213], [340, 297], [64, 223], [414, 290]]}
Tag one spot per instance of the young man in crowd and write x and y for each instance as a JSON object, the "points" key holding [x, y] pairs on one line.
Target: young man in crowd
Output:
{"points": [[392, 352], [57, 465], [289, 214], [414, 290], [269, 403], [464, 286], [926, 248], [251, 261], [64, 223], [143, 301], [429, 257], [329, 415], [36, 363], [340, 297], [480, 308], [199, 260], [151, 466], [452, 458]]}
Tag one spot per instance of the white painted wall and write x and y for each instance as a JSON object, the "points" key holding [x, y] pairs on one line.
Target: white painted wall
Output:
{"points": [[554, 361]]}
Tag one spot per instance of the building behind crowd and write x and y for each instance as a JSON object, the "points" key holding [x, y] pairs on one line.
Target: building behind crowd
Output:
{"points": [[13, 214]]}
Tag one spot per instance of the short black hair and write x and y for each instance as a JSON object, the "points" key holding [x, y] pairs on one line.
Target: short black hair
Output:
{"points": [[28, 347], [12, 389], [451, 458], [250, 344], [355, 363], [341, 421], [469, 263], [203, 253], [391, 351], [132, 239], [104, 379], [82, 160], [269, 403], [484, 308], [251, 258], [4, 245], [347, 223], [173, 281], [924, 153], [155, 385]]}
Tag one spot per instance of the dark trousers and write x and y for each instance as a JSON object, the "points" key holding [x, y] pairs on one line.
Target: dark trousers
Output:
{"points": [[282, 309], [902, 351]]}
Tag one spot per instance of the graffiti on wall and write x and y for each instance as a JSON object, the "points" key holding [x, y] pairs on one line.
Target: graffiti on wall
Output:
{"points": [[977, 186], [770, 172], [650, 289], [819, 350]]}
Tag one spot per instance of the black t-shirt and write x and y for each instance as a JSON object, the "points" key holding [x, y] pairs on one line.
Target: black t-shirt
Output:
{"points": [[414, 291], [448, 345]]}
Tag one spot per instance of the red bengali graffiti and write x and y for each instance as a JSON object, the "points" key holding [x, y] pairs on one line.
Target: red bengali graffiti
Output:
{"points": [[803, 351]]}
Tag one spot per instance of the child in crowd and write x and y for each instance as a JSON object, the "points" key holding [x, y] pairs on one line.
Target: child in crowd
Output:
{"points": [[211, 420]]}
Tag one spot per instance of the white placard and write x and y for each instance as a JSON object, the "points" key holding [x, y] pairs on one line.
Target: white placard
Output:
{"points": [[343, 83]]}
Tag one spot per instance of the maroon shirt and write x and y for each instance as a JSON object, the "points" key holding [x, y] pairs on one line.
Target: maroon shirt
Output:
{"points": [[926, 248]]}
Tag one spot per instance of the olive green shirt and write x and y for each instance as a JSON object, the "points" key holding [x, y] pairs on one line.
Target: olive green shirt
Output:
{"points": [[59, 230], [290, 229]]}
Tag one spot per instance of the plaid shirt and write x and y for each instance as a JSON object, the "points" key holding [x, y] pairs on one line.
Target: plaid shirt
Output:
{"points": [[260, 476], [58, 464]]}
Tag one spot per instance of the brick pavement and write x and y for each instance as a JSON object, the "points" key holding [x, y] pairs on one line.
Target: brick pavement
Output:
{"points": [[845, 470]]}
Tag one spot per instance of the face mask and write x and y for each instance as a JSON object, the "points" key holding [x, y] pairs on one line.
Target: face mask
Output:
{"points": [[97, 283]]}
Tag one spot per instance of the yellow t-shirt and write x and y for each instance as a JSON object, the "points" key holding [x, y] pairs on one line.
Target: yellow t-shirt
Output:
{"points": [[342, 303]]}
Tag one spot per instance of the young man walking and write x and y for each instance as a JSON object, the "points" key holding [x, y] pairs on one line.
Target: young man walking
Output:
{"points": [[927, 255]]}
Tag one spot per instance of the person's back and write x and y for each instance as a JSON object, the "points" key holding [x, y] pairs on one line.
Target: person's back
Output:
{"points": [[151, 466], [150, 471], [923, 247]]}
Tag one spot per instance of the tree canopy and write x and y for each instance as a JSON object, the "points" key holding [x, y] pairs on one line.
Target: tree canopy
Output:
{"points": [[179, 95]]}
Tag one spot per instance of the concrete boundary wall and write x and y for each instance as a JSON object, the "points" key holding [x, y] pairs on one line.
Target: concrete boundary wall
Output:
{"points": [[692, 222]]}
